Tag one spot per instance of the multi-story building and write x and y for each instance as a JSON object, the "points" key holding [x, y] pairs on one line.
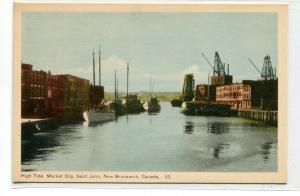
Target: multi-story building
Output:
{"points": [[46, 95], [41, 93], [264, 93], [237, 95], [76, 96], [205, 93], [221, 80]]}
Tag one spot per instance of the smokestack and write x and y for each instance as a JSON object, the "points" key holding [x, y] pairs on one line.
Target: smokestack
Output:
{"points": [[227, 69]]}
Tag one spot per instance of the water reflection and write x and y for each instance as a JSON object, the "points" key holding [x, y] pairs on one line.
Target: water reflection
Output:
{"points": [[189, 127], [154, 143], [39, 145], [93, 124], [217, 128], [266, 148], [220, 149]]}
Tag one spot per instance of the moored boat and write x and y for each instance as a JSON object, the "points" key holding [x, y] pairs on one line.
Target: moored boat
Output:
{"points": [[100, 110], [98, 116], [205, 109], [152, 105], [176, 102]]}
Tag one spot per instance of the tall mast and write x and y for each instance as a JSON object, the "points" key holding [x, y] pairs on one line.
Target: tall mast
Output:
{"points": [[127, 78], [150, 86], [99, 67], [115, 86], [117, 89], [94, 67]]}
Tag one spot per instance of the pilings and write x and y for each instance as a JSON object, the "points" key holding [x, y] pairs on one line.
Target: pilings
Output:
{"points": [[265, 116]]}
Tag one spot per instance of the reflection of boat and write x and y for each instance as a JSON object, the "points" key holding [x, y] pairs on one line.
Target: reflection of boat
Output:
{"points": [[152, 105], [98, 116]]}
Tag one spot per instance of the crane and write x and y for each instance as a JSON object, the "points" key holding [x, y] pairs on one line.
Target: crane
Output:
{"points": [[254, 66], [208, 62], [218, 67]]}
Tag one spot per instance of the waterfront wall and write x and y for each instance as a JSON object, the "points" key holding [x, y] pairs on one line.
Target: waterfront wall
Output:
{"points": [[265, 116]]}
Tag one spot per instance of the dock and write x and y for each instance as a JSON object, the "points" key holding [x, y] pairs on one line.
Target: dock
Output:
{"points": [[31, 126], [269, 117]]}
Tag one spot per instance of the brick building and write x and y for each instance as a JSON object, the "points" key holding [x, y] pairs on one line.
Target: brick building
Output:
{"points": [[264, 93], [237, 95], [201, 93], [96, 94], [41, 93], [76, 96], [46, 95], [221, 80]]}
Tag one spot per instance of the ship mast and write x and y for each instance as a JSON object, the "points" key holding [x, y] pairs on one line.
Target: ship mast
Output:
{"points": [[99, 75], [99, 67], [127, 78], [93, 67], [93, 86], [115, 86]]}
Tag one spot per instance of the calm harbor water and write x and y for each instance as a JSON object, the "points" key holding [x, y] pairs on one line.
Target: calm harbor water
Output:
{"points": [[167, 141]]}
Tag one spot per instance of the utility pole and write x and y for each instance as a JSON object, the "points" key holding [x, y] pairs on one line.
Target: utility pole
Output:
{"points": [[127, 78]]}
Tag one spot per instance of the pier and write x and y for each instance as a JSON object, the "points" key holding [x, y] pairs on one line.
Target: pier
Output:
{"points": [[265, 116]]}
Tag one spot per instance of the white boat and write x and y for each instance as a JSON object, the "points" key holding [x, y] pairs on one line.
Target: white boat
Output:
{"points": [[98, 116], [102, 112]]}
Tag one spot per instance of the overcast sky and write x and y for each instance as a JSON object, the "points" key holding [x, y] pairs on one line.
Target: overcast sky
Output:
{"points": [[164, 45]]}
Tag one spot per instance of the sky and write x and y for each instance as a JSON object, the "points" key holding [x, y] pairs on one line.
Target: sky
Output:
{"points": [[164, 46]]}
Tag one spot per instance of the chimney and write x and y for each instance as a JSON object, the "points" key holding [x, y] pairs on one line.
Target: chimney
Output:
{"points": [[227, 69]]}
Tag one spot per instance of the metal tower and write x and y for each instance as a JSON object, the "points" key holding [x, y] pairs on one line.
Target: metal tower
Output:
{"points": [[267, 72], [219, 67], [267, 69]]}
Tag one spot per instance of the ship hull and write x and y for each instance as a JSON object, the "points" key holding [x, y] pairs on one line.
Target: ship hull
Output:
{"points": [[98, 116], [151, 107]]}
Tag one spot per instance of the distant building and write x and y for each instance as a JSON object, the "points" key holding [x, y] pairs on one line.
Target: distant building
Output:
{"points": [[96, 94], [203, 95], [237, 95], [46, 95], [221, 80], [264, 93], [76, 98]]}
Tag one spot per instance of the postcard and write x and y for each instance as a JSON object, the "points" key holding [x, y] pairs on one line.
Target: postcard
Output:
{"points": [[150, 93]]}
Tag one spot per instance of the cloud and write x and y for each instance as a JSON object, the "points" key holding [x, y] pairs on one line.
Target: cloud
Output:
{"points": [[108, 66], [195, 70], [113, 63]]}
